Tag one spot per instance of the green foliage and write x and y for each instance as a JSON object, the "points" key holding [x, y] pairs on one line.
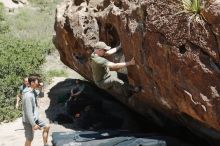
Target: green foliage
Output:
{"points": [[20, 57], [30, 23], [40, 2], [196, 6], [56, 73], [17, 59], [8, 114], [193, 6], [1, 12], [3, 25], [45, 5]]}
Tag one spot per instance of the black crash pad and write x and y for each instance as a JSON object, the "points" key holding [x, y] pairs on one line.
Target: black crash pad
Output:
{"points": [[102, 138]]}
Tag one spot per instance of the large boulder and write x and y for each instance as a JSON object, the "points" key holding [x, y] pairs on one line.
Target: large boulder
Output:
{"points": [[176, 53]]}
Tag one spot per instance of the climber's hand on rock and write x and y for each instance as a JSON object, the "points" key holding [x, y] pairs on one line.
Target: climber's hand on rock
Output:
{"points": [[132, 61]]}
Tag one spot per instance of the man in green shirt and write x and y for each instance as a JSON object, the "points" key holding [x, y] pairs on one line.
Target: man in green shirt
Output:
{"points": [[102, 74]]}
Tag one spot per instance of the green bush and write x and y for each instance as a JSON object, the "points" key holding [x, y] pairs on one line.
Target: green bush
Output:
{"points": [[8, 114], [17, 59], [19, 56]]}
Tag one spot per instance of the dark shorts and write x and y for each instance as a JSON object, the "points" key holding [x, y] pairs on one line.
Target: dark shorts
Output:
{"points": [[29, 132]]}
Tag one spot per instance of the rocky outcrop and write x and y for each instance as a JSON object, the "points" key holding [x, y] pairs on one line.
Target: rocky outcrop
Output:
{"points": [[176, 52]]}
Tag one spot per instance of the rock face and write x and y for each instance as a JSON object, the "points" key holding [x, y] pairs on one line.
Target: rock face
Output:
{"points": [[176, 52]]}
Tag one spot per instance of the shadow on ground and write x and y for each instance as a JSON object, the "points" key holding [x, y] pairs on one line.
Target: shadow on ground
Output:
{"points": [[95, 110]]}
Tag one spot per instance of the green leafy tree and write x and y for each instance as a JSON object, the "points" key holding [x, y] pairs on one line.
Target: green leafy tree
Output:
{"points": [[17, 59]]}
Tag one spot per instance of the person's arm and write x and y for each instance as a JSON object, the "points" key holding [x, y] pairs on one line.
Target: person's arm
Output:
{"points": [[28, 106], [113, 50], [115, 66], [41, 89], [18, 97]]}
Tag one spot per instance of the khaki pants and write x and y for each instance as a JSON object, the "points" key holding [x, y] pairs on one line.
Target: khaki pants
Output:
{"points": [[113, 83]]}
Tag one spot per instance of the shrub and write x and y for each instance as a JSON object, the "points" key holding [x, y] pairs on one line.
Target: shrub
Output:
{"points": [[17, 59], [19, 56], [192, 6]]}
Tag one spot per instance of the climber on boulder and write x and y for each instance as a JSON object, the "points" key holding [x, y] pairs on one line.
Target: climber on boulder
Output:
{"points": [[103, 77]]}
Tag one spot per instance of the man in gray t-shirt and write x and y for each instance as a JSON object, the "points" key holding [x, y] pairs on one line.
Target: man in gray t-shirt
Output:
{"points": [[30, 113]]}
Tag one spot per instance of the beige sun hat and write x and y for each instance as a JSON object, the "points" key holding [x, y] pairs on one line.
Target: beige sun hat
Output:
{"points": [[102, 45]]}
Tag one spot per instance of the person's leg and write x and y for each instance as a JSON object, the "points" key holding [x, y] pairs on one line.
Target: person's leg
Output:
{"points": [[27, 142], [45, 132], [122, 87], [17, 101], [29, 133], [118, 86], [123, 77]]}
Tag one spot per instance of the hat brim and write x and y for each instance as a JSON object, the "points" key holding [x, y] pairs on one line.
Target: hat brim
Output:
{"points": [[107, 48], [81, 88]]}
